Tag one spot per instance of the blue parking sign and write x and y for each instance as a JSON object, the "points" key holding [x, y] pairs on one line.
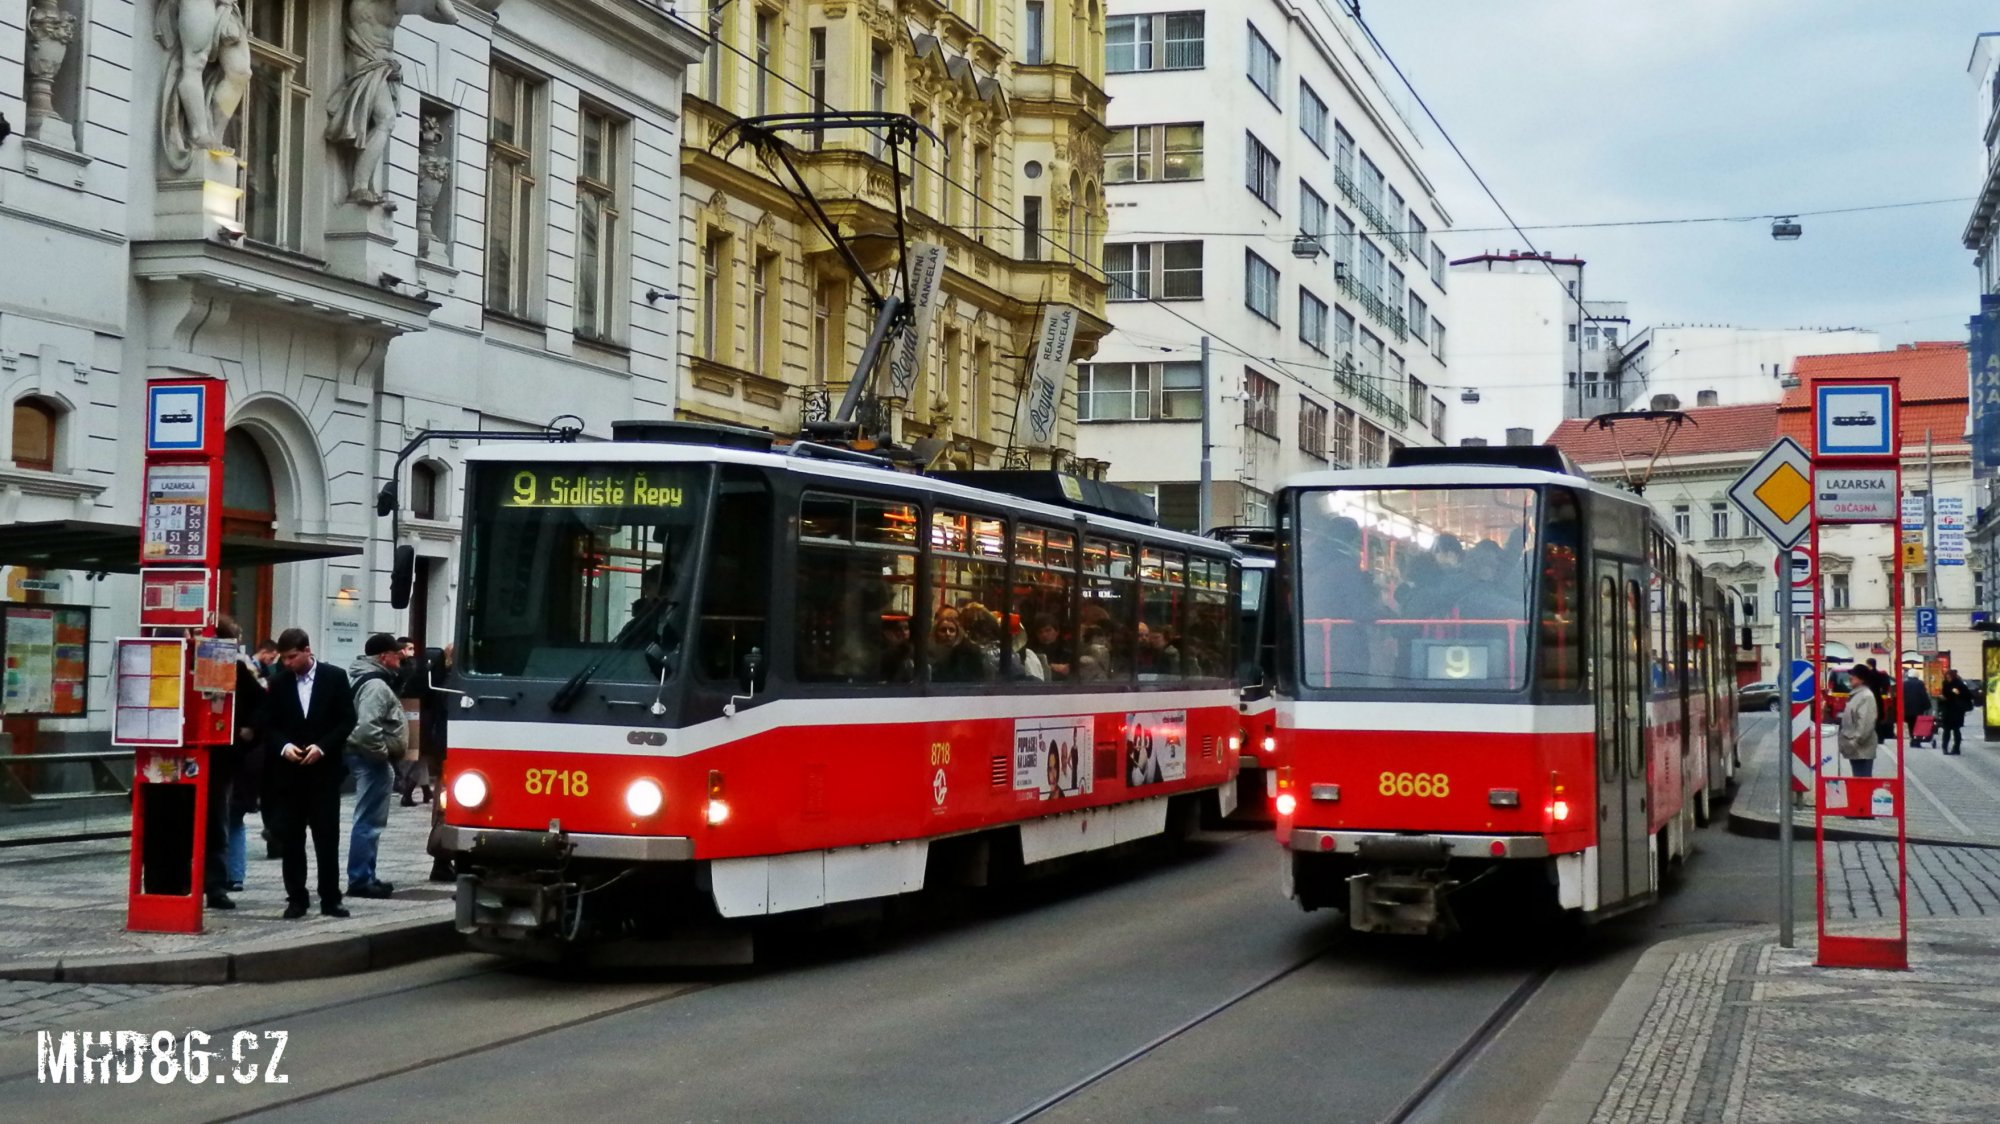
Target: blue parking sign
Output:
{"points": [[1927, 621], [1802, 681]]}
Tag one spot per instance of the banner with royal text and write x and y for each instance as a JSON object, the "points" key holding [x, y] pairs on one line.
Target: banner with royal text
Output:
{"points": [[1045, 378]]}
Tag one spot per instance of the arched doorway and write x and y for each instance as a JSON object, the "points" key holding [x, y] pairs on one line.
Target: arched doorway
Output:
{"points": [[249, 507]]}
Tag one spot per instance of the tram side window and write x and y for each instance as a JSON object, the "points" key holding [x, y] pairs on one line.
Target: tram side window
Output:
{"points": [[857, 580], [1044, 592], [970, 635], [1561, 658], [1209, 640], [734, 614], [1163, 595], [1108, 629]]}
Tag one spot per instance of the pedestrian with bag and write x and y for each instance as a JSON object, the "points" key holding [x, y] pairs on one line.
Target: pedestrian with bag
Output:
{"points": [[1858, 725], [1954, 703], [241, 779], [1916, 707], [377, 741], [308, 716]]}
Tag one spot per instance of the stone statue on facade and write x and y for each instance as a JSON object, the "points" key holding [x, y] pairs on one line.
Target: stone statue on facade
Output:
{"points": [[364, 107], [50, 30], [433, 181], [207, 73]]}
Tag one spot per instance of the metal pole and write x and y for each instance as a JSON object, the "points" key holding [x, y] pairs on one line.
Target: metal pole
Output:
{"points": [[1787, 653], [864, 370], [1931, 566], [1207, 501]]}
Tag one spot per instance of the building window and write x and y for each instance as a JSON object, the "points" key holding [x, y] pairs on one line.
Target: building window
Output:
{"points": [[1260, 286], [1418, 236], [511, 225], [1312, 428], [829, 321], [1263, 65], [1343, 436], [1312, 320], [1034, 32], [1260, 403], [598, 212], [1437, 418], [1838, 593], [816, 76], [715, 295], [1718, 519], [1343, 154], [1159, 41], [1419, 317], [1920, 589], [1260, 171], [1312, 214], [1140, 392], [1437, 339], [1418, 395], [1683, 521], [423, 490], [1437, 266], [1392, 288], [1371, 446], [1312, 116], [276, 135], [1153, 154], [1344, 241], [1031, 230], [765, 326], [35, 425], [878, 89], [1371, 182], [1153, 271], [766, 26], [982, 178], [1751, 593]]}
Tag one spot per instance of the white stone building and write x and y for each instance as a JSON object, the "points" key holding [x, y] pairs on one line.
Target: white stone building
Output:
{"points": [[1263, 184], [449, 223], [1544, 350], [1723, 365]]}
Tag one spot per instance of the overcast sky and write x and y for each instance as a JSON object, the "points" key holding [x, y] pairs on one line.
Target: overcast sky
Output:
{"points": [[1596, 110]]}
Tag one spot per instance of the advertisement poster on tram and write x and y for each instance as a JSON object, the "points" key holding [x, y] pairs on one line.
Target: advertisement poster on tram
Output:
{"points": [[1052, 756], [1155, 746]]}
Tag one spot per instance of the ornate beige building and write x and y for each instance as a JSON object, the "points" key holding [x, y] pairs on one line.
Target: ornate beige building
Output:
{"points": [[772, 318]]}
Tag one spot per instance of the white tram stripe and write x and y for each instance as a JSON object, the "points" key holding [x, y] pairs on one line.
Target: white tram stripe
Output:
{"points": [[1451, 718], [762, 718]]}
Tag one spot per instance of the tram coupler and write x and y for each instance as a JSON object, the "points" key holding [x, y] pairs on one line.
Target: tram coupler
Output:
{"points": [[510, 909], [1406, 903]]}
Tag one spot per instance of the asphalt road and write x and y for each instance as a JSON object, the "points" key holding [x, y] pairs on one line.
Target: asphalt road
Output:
{"points": [[1074, 998]]}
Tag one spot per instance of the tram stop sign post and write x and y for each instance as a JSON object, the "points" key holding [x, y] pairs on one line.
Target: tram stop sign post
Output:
{"points": [[1777, 494]]}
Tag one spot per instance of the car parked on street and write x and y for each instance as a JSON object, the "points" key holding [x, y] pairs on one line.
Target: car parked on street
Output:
{"points": [[1757, 696]]}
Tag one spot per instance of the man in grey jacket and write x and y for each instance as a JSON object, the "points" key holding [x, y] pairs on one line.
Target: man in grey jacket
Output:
{"points": [[377, 742]]}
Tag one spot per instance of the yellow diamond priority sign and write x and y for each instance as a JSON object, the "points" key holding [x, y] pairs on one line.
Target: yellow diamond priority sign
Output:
{"points": [[1776, 493]]}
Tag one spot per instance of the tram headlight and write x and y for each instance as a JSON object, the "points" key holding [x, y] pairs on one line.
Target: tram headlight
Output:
{"points": [[468, 789], [1287, 803], [1270, 743], [643, 797], [718, 812]]}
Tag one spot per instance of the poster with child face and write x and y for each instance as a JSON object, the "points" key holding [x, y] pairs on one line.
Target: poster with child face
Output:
{"points": [[1155, 747], [1052, 756]]}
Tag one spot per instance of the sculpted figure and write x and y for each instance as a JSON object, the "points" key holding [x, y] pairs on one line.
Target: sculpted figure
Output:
{"points": [[363, 109], [207, 72]]}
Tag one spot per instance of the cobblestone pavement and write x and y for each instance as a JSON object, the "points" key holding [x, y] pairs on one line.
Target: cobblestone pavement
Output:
{"points": [[69, 899], [1952, 799], [27, 1006], [1743, 1031]]}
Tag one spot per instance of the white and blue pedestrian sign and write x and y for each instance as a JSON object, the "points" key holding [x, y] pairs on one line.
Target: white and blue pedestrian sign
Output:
{"points": [[1802, 681], [1927, 621]]}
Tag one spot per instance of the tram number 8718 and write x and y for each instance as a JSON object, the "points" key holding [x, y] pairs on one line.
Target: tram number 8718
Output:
{"points": [[1415, 784]]}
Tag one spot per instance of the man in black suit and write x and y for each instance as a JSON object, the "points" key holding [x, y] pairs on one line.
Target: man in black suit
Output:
{"points": [[308, 715]]}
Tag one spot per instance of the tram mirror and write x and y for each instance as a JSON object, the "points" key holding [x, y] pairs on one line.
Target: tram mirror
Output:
{"points": [[401, 575], [753, 669], [1748, 640], [385, 500], [658, 659]]}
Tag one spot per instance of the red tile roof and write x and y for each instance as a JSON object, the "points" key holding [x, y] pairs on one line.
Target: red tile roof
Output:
{"points": [[1934, 377], [1709, 429]]}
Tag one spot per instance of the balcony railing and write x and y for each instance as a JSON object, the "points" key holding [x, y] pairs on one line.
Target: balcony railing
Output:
{"points": [[1377, 223], [1371, 302], [1365, 390]]}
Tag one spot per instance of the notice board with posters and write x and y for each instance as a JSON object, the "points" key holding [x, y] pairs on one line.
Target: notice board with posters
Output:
{"points": [[45, 650]]}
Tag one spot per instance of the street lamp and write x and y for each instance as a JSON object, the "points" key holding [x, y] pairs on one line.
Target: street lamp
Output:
{"points": [[1786, 228], [1307, 248]]}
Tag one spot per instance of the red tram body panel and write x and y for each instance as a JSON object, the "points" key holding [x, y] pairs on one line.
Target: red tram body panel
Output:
{"points": [[1494, 671]]}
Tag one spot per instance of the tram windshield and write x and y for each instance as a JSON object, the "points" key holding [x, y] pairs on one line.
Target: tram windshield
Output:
{"points": [[1416, 589], [581, 569]]}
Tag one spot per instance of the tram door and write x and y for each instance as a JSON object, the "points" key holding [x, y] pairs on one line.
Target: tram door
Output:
{"points": [[1623, 863]]}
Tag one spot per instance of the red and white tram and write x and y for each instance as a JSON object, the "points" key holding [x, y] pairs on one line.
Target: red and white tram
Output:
{"points": [[1493, 668], [704, 677]]}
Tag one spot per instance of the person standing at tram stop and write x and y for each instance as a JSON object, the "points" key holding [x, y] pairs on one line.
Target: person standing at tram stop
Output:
{"points": [[232, 779], [1916, 704], [380, 736], [309, 713], [1954, 703], [1857, 724]]}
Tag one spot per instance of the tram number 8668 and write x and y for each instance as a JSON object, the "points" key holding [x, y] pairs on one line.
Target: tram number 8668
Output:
{"points": [[1414, 784]]}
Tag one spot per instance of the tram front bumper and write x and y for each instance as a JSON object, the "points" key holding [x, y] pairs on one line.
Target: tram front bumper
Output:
{"points": [[1386, 845], [516, 846]]}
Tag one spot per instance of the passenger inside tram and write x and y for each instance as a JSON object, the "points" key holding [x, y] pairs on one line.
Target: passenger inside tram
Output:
{"points": [[953, 657]]}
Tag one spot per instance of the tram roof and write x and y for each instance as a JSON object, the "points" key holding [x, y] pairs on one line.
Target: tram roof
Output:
{"points": [[831, 470], [1461, 475]]}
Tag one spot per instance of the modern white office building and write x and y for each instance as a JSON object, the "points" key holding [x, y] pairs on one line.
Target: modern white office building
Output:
{"points": [[1724, 365], [1266, 189], [1545, 351], [366, 219]]}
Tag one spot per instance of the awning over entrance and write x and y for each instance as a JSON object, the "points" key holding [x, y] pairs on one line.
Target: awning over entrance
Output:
{"points": [[113, 548]]}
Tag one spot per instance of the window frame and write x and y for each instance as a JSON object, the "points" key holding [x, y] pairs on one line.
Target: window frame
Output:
{"points": [[1313, 313], [1313, 111], [1262, 171], [1260, 403], [609, 193], [521, 166], [1273, 62], [1252, 260], [1312, 428]]}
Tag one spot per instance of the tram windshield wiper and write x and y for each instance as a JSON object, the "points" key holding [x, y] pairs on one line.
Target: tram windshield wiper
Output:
{"points": [[565, 696]]}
